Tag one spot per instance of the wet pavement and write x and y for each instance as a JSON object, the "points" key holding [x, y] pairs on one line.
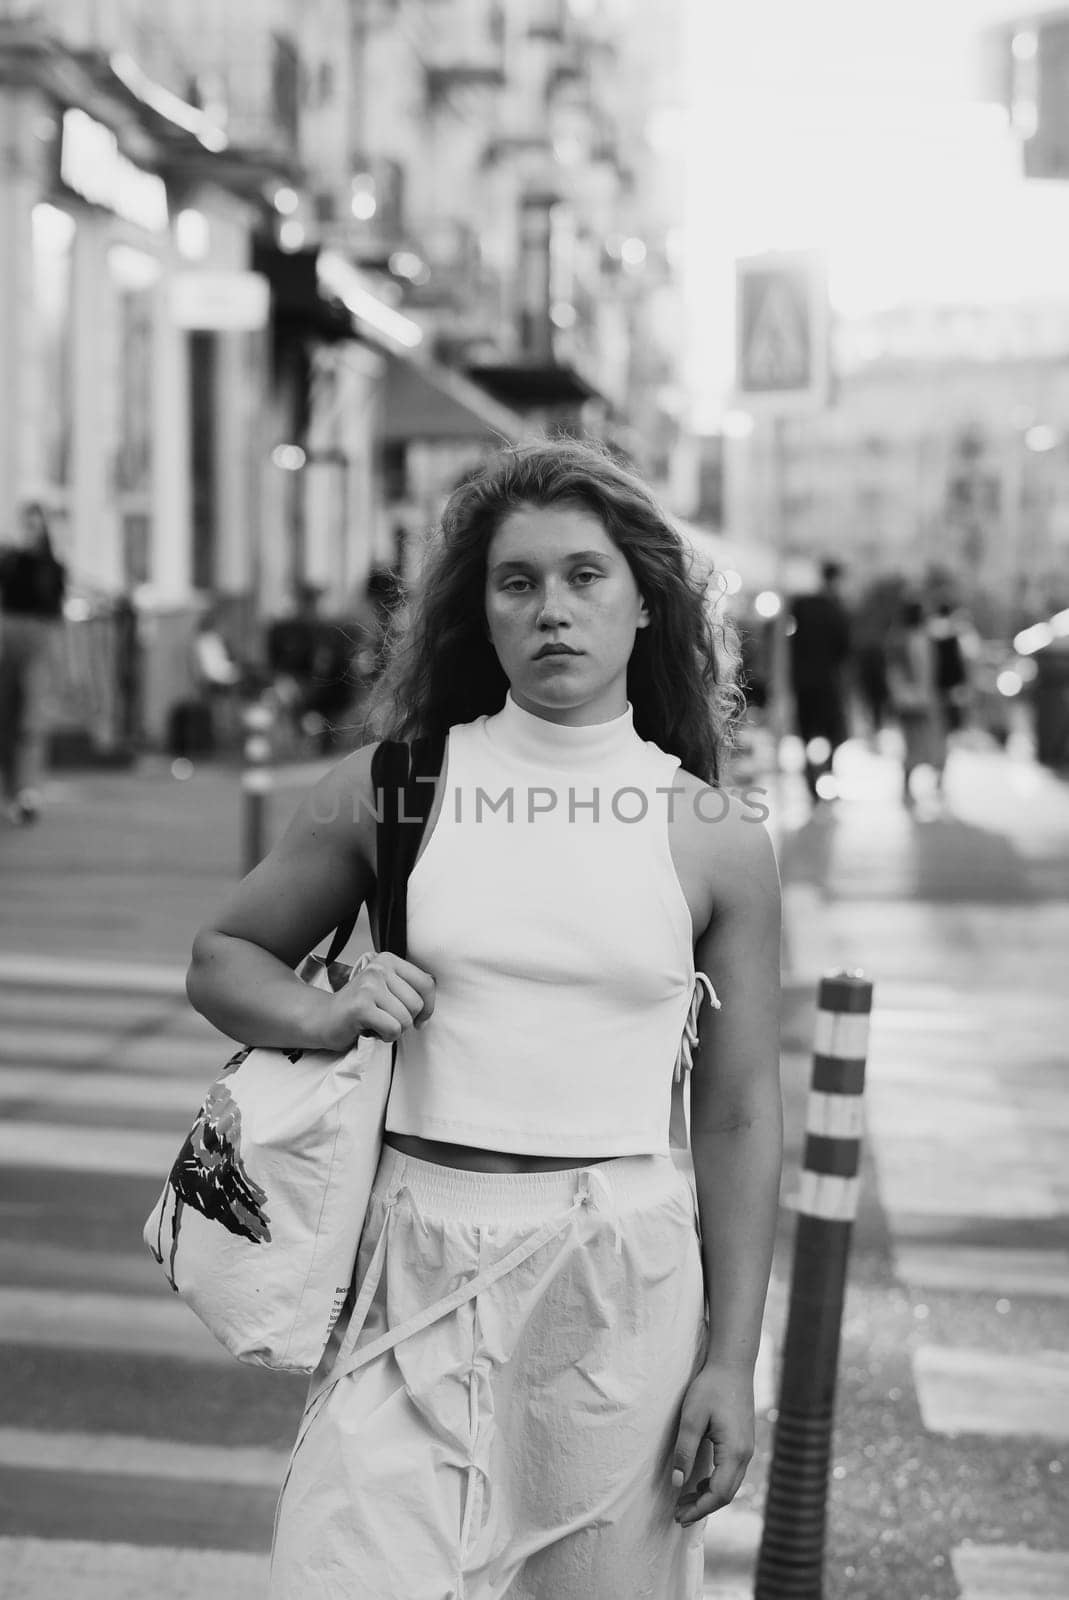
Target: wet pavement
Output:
{"points": [[136, 1458]]}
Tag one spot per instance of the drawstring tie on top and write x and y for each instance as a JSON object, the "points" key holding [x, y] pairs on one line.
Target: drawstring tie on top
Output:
{"points": [[677, 1124]]}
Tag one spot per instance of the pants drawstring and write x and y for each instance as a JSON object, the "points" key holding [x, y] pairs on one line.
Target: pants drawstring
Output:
{"points": [[591, 1178], [473, 1470], [433, 1313]]}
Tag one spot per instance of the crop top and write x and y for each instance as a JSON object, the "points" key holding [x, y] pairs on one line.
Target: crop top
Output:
{"points": [[547, 906]]}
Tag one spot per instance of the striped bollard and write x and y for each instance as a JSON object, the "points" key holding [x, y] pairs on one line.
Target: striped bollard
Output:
{"points": [[790, 1564], [257, 782]]}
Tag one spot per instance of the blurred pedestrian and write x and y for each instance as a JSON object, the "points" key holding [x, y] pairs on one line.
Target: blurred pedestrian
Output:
{"points": [[870, 678], [218, 681], [915, 697], [949, 630], [310, 659], [33, 585], [819, 652]]}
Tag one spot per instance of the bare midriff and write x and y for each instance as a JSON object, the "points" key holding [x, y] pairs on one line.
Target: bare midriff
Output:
{"points": [[469, 1158]]}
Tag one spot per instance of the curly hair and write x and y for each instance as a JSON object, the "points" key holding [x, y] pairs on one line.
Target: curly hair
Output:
{"points": [[442, 668]]}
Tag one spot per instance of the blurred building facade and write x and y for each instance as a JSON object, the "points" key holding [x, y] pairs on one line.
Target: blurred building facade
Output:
{"points": [[946, 449], [273, 274]]}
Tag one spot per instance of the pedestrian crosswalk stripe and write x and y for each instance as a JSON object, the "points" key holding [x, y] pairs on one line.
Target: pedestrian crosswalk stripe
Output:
{"points": [[127, 1455], [148, 1324], [988, 1392], [88, 1008], [78, 1569], [36, 1262], [70, 972], [998, 1571], [73, 1149], [981, 1269], [81, 1048], [1003, 1165], [75, 1045], [55, 1086]]}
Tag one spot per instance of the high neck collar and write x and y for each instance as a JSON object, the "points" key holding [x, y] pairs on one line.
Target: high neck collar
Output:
{"points": [[520, 733]]}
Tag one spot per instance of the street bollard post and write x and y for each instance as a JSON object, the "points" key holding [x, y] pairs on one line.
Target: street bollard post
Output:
{"points": [[257, 782], [790, 1564]]}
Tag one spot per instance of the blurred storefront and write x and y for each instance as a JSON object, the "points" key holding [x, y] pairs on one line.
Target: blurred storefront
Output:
{"points": [[133, 429], [273, 279]]}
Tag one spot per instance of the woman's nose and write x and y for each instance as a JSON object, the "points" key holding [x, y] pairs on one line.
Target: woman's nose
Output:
{"points": [[553, 609]]}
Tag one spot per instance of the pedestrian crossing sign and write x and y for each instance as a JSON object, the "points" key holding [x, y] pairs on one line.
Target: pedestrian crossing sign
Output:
{"points": [[782, 332]]}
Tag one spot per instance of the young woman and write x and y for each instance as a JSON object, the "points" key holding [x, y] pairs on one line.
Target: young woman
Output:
{"points": [[585, 1400]]}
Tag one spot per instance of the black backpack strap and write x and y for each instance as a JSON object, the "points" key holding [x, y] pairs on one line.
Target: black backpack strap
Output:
{"points": [[402, 783], [424, 763], [402, 786], [387, 773], [389, 779]]}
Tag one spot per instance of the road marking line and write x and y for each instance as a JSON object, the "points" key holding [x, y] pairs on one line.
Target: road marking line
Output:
{"points": [[128, 1455], [983, 1270], [67, 972], [30, 1264], [74, 1046], [135, 1324], [40, 1569], [119, 1151], [55, 1086], [998, 1169], [999, 1571], [977, 1391]]}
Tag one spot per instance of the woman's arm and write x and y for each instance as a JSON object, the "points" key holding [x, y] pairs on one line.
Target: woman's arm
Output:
{"points": [[318, 875], [737, 1143]]}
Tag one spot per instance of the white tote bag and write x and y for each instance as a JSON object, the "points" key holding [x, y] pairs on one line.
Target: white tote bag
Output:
{"points": [[259, 1221]]}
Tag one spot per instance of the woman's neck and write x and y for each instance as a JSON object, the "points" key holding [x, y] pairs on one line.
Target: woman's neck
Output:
{"points": [[531, 737]]}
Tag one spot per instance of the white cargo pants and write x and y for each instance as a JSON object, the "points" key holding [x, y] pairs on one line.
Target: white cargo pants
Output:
{"points": [[510, 1384]]}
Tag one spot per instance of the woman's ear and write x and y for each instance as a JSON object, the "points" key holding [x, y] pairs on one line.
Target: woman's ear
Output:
{"points": [[643, 613]]}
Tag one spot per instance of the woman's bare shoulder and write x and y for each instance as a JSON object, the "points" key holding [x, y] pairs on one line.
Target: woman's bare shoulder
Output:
{"points": [[343, 801], [723, 833]]}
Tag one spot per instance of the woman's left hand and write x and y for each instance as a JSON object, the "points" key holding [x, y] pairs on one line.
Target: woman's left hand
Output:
{"points": [[715, 1441]]}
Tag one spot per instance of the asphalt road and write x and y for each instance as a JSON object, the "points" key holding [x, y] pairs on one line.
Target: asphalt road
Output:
{"points": [[125, 1433]]}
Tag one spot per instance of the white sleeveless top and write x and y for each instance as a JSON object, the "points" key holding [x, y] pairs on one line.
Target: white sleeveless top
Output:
{"points": [[560, 941]]}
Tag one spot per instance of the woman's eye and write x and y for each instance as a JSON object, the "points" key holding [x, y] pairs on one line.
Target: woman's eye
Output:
{"points": [[586, 576], [516, 585]]}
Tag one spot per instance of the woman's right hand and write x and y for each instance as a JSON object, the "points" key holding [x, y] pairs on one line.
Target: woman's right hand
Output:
{"points": [[384, 997]]}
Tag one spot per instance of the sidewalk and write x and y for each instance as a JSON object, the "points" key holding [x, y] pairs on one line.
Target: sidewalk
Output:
{"points": [[953, 1402]]}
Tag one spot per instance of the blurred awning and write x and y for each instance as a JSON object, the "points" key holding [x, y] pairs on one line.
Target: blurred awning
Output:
{"points": [[531, 386], [328, 299], [424, 400]]}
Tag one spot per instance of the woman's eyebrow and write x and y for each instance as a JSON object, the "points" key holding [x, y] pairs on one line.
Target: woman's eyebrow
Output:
{"points": [[522, 563]]}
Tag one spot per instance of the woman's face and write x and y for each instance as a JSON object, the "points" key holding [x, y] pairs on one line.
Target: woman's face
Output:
{"points": [[563, 608]]}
